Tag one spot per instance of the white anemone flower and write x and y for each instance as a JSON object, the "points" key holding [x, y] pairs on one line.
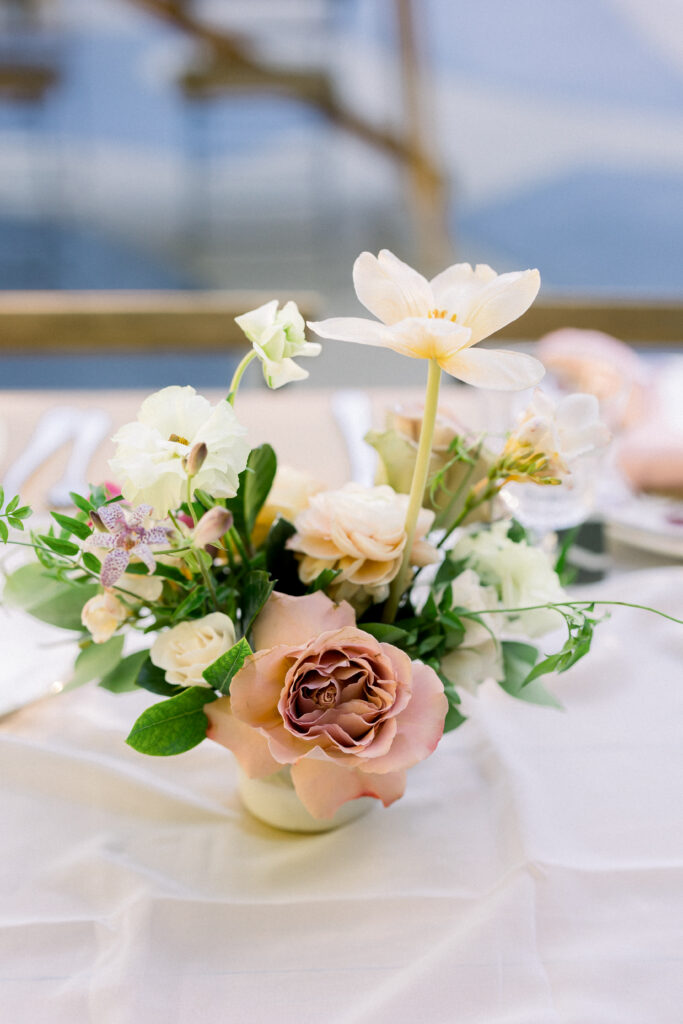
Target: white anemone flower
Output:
{"points": [[442, 319], [277, 336], [150, 462], [563, 431]]}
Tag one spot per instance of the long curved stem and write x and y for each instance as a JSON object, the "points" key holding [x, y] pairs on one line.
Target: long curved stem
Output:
{"points": [[237, 375], [586, 603], [417, 487]]}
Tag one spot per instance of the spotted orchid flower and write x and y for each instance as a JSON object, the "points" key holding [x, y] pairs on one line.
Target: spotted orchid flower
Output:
{"points": [[127, 537]]}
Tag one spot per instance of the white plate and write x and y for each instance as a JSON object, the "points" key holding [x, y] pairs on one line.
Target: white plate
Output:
{"points": [[649, 523]]}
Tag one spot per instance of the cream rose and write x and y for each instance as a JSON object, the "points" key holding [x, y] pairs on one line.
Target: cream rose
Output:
{"points": [[291, 491], [102, 615], [187, 649], [361, 532]]}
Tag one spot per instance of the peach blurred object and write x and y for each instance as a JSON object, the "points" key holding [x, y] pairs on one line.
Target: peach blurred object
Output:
{"points": [[600, 365], [651, 462]]}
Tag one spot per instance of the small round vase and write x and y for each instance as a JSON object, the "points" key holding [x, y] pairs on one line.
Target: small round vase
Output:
{"points": [[273, 800]]}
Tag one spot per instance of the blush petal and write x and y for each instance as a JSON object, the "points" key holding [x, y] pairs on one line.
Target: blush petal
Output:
{"points": [[248, 745], [256, 688], [420, 724], [323, 786], [296, 620]]}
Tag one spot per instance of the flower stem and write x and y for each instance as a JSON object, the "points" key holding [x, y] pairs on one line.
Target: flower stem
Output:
{"points": [[585, 603], [237, 375], [417, 487], [198, 553]]}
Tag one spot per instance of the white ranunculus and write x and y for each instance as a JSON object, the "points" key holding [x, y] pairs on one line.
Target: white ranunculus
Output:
{"points": [[148, 462], [442, 319], [278, 336], [184, 651], [479, 656], [522, 576], [360, 531], [102, 615], [562, 431]]}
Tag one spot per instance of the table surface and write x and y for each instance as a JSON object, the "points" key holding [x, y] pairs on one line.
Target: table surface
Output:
{"points": [[532, 874]]}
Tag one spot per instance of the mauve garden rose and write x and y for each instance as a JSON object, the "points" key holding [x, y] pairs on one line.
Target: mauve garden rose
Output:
{"points": [[347, 713]]}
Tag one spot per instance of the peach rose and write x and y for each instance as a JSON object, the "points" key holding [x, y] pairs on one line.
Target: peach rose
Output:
{"points": [[102, 615], [360, 531], [347, 713]]}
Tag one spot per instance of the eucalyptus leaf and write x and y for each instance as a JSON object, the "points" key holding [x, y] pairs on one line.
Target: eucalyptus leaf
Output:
{"points": [[123, 677], [38, 593], [518, 663], [4, 532], [174, 725], [95, 661]]}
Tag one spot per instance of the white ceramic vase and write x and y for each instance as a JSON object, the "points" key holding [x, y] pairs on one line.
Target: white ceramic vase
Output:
{"points": [[273, 800]]}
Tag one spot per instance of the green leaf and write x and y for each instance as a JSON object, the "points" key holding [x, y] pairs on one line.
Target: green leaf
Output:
{"points": [[518, 662], [95, 661], [151, 677], [22, 513], [204, 499], [4, 532], [91, 562], [255, 483], [174, 725], [13, 504], [98, 496], [323, 580], [194, 600], [517, 533], [80, 502], [258, 480], [15, 523], [168, 572], [2, 496], [257, 589], [219, 674], [449, 569], [75, 526], [123, 676], [48, 599], [454, 716], [384, 632], [60, 546]]}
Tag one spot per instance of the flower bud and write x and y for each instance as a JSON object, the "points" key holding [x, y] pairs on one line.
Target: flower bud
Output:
{"points": [[195, 460], [211, 526]]}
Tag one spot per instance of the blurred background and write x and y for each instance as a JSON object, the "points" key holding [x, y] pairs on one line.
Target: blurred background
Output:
{"points": [[187, 147]]}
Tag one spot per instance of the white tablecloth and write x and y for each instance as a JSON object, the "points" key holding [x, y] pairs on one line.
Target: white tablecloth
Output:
{"points": [[532, 874]]}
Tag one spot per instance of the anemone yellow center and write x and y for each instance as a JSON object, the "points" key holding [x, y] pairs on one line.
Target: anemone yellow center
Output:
{"points": [[441, 314]]}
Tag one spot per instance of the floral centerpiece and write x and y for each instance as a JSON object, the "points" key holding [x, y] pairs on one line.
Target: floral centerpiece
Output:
{"points": [[323, 636]]}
